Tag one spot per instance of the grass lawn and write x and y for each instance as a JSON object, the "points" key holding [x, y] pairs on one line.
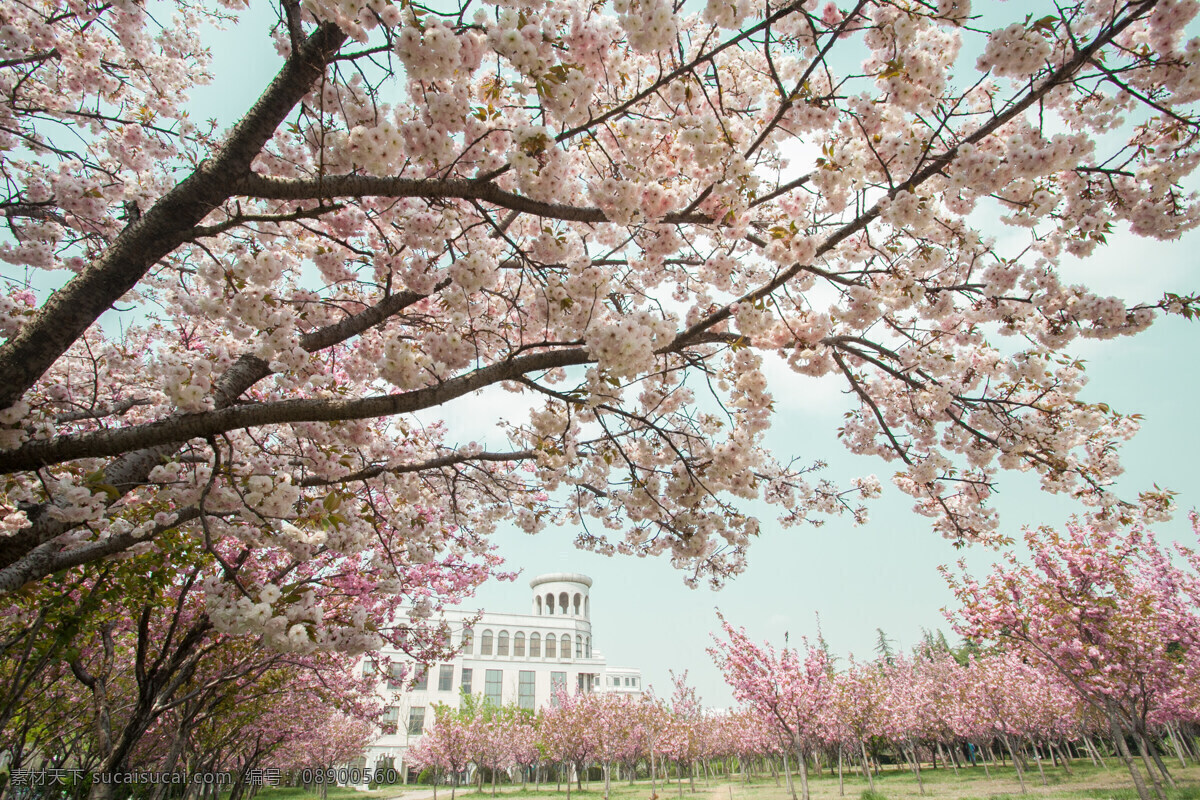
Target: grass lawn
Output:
{"points": [[1086, 783]]}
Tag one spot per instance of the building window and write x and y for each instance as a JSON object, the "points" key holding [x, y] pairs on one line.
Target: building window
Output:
{"points": [[588, 649], [370, 666], [564, 648], [465, 684], [564, 603], [629, 681], [485, 645], [519, 645], [549, 604], [422, 677], [502, 644], [468, 641], [535, 645], [446, 677], [578, 598], [579, 647], [395, 676], [493, 679], [558, 680], [525, 690], [550, 645], [389, 721], [416, 721], [539, 605]]}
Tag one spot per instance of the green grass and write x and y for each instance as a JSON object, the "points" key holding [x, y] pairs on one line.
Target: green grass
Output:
{"points": [[334, 793], [1086, 782]]}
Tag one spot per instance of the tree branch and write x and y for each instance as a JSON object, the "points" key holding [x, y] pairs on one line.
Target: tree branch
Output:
{"points": [[72, 309]]}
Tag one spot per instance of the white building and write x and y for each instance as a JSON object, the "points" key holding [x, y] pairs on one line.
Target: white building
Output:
{"points": [[508, 658]]}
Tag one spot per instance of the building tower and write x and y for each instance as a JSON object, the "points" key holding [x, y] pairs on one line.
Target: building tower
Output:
{"points": [[563, 594]]}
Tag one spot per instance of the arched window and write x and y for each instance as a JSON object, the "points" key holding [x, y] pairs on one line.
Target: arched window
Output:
{"points": [[579, 647], [565, 647], [587, 607], [535, 645], [468, 641], [549, 604], [588, 649], [550, 645], [519, 645], [485, 645], [539, 604], [578, 600], [564, 603], [502, 644]]}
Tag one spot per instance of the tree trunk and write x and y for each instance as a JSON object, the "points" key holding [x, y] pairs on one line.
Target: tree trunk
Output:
{"points": [[1144, 751], [1154, 754], [1037, 756], [803, 773], [1118, 735], [841, 784], [866, 766], [948, 758], [912, 751], [1174, 731], [1062, 756], [1017, 764]]}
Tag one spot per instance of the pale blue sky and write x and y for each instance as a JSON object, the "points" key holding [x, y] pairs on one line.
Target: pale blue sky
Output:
{"points": [[857, 579]]}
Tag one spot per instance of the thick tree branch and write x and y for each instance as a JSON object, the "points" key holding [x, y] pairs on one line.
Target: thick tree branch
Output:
{"points": [[447, 460], [71, 310], [132, 469], [331, 186], [210, 423]]}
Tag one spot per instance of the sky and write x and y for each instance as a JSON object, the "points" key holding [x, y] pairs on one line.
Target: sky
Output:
{"points": [[849, 580]]}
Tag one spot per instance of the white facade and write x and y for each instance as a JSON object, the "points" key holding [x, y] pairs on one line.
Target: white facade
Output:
{"points": [[508, 658]]}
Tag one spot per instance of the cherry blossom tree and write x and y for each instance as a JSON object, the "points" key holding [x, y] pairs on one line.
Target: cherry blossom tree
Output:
{"points": [[447, 745], [855, 710], [789, 689], [605, 209], [1105, 610], [613, 722], [566, 730]]}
